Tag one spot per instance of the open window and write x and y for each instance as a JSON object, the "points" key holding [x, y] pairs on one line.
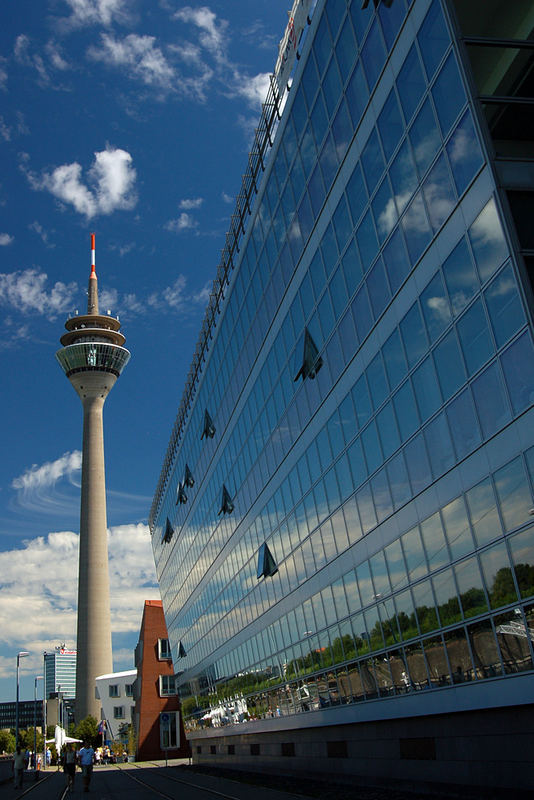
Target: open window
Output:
{"points": [[181, 497], [169, 531], [188, 477], [266, 564], [209, 428], [311, 360], [227, 505]]}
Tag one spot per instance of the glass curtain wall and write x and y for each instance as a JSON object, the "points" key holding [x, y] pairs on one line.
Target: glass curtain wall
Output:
{"points": [[374, 339]]}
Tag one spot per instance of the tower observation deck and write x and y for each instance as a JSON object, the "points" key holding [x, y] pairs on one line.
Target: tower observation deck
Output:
{"points": [[92, 358]]}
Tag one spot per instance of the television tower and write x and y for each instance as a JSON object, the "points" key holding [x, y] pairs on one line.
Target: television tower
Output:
{"points": [[92, 358]]}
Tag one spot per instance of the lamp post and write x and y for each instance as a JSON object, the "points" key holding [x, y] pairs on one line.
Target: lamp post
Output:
{"points": [[20, 655], [37, 678]]}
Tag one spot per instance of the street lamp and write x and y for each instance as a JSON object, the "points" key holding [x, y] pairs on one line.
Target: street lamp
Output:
{"points": [[37, 678], [20, 655]]}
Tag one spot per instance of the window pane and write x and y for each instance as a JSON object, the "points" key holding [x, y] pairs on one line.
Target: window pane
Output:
{"points": [[416, 228], [464, 153], [475, 337], [425, 606], [403, 176], [331, 86], [373, 54], [449, 365], [378, 288], [518, 367], [498, 576], [384, 210], [438, 667], [395, 562], [417, 463], [366, 509], [522, 547], [372, 161], [352, 267], [513, 494], [434, 541], [390, 125], [504, 305], [439, 445], [425, 138], [410, 83], [376, 380], [435, 305], [398, 481], [414, 554], [387, 428], [433, 38], [483, 510], [396, 260], [371, 447], [446, 598], [460, 277], [413, 335], [463, 424], [490, 401], [459, 656], [487, 240], [457, 528], [346, 50], [448, 93], [362, 402], [426, 389], [471, 588], [394, 359], [406, 410], [439, 194], [513, 644], [367, 240], [357, 94]]}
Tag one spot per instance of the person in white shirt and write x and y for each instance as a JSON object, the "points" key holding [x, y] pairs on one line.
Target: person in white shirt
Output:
{"points": [[86, 756]]}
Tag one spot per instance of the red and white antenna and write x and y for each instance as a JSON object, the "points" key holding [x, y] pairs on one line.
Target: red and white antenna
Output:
{"points": [[93, 272]]}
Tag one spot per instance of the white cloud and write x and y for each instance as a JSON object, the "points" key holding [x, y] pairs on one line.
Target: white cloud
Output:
{"points": [[37, 477], [5, 130], [32, 592], [140, 55], [111, 181], [212, 32], [3, 74], [227, 198], [37, 228], [190, 203], [6, 239], [253, 89], [96, 12], [183, 223], [24, 56], [26, 291]]}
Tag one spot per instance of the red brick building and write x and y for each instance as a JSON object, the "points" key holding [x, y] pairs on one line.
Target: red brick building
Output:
{"points": [[157, 718]]}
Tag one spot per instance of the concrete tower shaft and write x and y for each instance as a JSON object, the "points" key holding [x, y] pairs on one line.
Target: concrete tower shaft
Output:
{"points": [[92, 358]]}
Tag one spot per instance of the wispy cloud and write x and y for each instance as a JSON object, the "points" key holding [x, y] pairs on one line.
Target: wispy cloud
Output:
{"points": [[48, 474], [95, 12], [37, 228], [190, 203], [110, 183], [27, 291], [6, 239], [184, 222], [140, 55]]}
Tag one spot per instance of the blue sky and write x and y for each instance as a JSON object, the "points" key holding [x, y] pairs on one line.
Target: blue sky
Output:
{"points": [[131, 119]]}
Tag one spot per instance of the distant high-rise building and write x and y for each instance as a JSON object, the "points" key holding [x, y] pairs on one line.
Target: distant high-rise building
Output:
{"points": [[343, 529], [60, 673], [92, 357]]}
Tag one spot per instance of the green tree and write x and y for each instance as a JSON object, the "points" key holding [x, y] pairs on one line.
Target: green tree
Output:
{"points": [[7, 742], [87, 731]]}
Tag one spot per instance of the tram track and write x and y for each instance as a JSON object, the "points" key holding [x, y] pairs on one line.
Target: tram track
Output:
{"points": [[166, 776]]}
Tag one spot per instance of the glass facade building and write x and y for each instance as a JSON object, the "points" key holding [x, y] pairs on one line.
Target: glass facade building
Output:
{"points": [[344, 514], [60, 673]]}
